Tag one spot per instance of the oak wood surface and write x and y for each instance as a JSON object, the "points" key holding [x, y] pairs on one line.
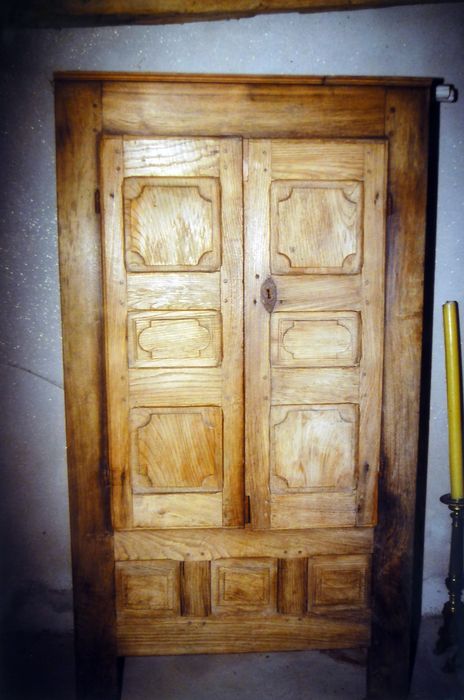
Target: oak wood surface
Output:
{"points": [[78, 120], [257, 167], [315, 385], [75, 13], [293, 584], [249, 110], [390, 660], [158, 387], [220, 544], [220, 635], [174, 206], [172, 290], [325, 221], [177, 510], [149, 588], [114, 287], [231, 162], [244, 79], [195, 588], [392, 599], [339, 583], [372, 314]]}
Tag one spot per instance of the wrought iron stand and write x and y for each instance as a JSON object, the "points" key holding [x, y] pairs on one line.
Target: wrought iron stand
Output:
{"points": [[451, 634]]}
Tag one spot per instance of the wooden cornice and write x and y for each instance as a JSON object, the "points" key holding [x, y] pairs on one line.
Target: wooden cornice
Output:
{"points": [[257, 79], [75, 13]]}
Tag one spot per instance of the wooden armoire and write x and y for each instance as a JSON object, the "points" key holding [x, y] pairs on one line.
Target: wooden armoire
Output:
{"points": [[242, 264]]}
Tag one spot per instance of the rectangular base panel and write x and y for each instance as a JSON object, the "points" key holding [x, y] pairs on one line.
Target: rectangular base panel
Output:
{"points": [[224, 636]]}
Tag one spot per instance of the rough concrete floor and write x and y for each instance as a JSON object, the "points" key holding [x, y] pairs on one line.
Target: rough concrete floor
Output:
{"points": [[41, 668]]}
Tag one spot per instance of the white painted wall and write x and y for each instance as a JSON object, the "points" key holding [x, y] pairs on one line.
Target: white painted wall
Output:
{"points": [[418, 40]]}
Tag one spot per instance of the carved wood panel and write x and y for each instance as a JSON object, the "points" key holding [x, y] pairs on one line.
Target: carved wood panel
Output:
{"points": [[316, 227], [175, 449], [338, 583], [174, 339], [243, 585], [313, 448], [148, 588], [316, 339], [172, 223]]}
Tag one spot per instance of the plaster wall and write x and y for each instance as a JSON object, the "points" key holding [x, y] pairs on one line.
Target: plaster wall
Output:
{"points": [[417, 40]]}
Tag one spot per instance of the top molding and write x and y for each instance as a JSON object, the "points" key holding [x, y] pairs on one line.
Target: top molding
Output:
{"points": [[370, 81], [81, 13]]}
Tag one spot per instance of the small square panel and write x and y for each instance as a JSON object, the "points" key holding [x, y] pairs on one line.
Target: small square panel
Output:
{"points": [[175, 450], [316, 227], [243, 585], [339, 582], [172, 224], [149, 587], [313, 448]]}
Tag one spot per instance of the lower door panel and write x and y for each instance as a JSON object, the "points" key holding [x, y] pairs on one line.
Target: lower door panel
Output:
{"points": [[239, 590]]}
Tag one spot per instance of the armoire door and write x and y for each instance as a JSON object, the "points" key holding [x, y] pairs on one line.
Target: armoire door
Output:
{"points": [[243, 305]]}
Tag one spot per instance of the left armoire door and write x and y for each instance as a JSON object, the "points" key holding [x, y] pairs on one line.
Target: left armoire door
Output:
{"points": [[173, 281]]}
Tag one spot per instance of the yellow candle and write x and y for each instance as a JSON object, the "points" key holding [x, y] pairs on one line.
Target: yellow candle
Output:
{"points": [[453, 384]]}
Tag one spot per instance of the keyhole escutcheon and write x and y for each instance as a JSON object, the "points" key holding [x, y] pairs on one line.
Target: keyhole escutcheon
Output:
{"points": [[269, 294]]}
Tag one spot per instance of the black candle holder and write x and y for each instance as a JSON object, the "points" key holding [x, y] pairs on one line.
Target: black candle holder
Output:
{"points": [[451, 634]]}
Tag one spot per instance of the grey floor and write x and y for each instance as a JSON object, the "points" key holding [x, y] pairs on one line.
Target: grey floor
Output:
{"points": [[41, 668]]}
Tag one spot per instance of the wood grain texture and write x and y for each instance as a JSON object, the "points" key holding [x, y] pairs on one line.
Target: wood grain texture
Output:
{"points": [[298, 510], [319, 292], [177, 510], [180, 387], [391, 657], [231, 158], [245, 79], [176, 450], [243, 586], [173, 291], [221, 635], [174, 157], [114, 287], [250, 110], [257, 165], [406, 129], [338, 583], [372, 314], [203, 545], [172, 224], [182, 205], [174, 339], [148, 589], [315, 226], [196, 588], [292, 586], [315, 385], [331, 222], [78, 120], [313, 448], [75, 13], [316, 339]]}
